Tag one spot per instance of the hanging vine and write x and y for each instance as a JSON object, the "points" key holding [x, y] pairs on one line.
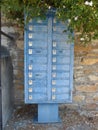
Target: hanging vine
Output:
{"points": [[82, 15]]}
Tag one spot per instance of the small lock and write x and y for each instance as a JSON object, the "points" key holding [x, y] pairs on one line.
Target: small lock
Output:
{"points": [[53, 97], [54, 28], [54, 59], [54, 44], [54, 75], [53, 82], [30, 27], [30, 67], [30, 82], [30, 75], [53, 89], [30, 51], [30, 35], [30, 43], [54, 67], [30, 97], [30, 89], [54, 52]]}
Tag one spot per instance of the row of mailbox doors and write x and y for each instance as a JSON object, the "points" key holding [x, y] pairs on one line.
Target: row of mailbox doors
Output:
{"points": [[48, 62]]}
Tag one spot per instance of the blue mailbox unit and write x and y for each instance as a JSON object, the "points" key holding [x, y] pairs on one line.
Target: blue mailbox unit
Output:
{"points": [[48, 65]]}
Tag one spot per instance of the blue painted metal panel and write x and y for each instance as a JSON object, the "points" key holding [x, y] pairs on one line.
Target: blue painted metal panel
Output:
{"points": [[36, 28], [61, 60], [60, 90], [36, 60], [48, 113], [42, 52], [36, 74], [61, 67], [40, 35], [48, 62], [38, 67], [65, 96], [61, 45], [60, 82], [60, 75], [37, 96]]}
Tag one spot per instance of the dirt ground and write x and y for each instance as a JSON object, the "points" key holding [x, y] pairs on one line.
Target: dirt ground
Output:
{"points": [[22, 119]]}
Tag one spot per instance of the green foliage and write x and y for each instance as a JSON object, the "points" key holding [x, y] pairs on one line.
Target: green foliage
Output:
{"points": [[82, 15]]}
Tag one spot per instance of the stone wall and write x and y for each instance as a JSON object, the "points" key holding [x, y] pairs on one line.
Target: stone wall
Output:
{"points": [[85, 91]]}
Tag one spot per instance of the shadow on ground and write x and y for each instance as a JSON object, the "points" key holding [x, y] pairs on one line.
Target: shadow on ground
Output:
{"points": [[22, 119]]}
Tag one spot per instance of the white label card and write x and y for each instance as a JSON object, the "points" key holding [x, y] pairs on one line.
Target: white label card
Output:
{"points": [[30, 67]]}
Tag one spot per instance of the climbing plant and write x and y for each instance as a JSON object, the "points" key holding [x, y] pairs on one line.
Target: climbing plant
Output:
{"points": [[82, 15]]}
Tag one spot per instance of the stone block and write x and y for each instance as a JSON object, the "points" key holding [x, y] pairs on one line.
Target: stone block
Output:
{"points": [[92, 55], [81, 79], [78, 67], [19, 94], [87, 71], [80, 48], [91, 106], [95, 97], [95, 50], [4, 41], [89, 61], [79, 98], [20, 64], [21, 57], [19, 74], [86, 88], [8, 29], [20, 44], [89, 100], [93, 77], [18, 82], [19, 87]]}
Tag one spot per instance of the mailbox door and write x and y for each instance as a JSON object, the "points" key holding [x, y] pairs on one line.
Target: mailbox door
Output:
{"points": [[48, 62]]}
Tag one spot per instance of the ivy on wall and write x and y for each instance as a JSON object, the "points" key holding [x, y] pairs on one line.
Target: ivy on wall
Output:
{"points": [[82, 15]]}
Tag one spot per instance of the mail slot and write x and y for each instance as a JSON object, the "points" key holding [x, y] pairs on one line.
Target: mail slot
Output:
{"points": [[48, 61]]}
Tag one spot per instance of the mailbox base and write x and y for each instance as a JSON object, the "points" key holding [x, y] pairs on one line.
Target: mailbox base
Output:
{"points": [[48, 113]]}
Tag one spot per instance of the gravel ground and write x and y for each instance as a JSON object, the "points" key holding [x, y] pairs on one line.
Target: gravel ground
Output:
{"points": [[22, 119]]}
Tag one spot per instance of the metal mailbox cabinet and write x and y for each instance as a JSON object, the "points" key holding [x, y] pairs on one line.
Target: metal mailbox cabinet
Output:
{"points": [[48, 61]]}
